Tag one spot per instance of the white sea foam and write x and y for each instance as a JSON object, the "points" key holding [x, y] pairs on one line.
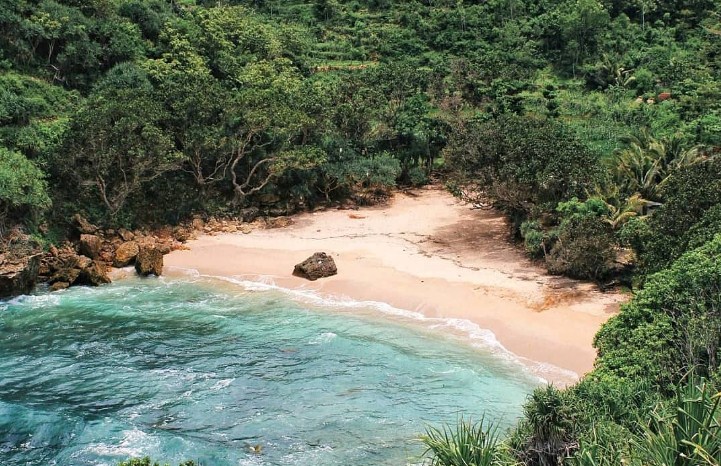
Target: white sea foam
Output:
{"points": [[134, 443], [221, 384], [323, 338], [479, 337], [37, 301]]}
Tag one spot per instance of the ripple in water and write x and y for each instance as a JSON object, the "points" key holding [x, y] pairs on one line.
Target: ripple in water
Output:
{"points": [[180, 370]]}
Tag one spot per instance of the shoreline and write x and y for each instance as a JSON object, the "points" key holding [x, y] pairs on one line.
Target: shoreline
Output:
{"points": [[426, 253]]}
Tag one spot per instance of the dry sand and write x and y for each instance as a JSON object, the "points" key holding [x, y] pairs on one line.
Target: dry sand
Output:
{"points": [[430, 253]]}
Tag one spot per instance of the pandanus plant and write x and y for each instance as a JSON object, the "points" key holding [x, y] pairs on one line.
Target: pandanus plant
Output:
{"points": [[466, 444], [690, 435]]}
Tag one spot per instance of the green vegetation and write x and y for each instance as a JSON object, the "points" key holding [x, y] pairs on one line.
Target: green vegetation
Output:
{"points": [[683, 431], [469, 443], [594, 124]]}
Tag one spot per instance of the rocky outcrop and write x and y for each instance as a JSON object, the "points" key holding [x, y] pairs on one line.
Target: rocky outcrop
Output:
{"points": [[90, 245], [126, 235], [149, 261], [319, 265], [18, 276], [95, 274], [182, 234], [83, 226], [68, 268], [125, 254]]}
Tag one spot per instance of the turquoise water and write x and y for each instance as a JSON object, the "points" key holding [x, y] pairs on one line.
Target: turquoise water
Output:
{"points": [[192, 369]]}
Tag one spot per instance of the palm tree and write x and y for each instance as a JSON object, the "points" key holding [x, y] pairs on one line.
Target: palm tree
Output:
{"points": [[550, 428], [645, 164], [619, 208]]}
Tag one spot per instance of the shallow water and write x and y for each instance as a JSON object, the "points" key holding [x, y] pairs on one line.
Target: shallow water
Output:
{"points": [[190, 369]]}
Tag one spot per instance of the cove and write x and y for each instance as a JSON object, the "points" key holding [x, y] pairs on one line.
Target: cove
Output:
{"points": [[187, 368]]}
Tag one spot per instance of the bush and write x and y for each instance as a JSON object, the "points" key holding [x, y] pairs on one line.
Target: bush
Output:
{"points": [[534, 238], [671, 327], [585, 248], [417, 176]]}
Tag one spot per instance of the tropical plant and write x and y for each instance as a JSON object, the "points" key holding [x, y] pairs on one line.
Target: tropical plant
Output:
{"points": [[597, 451], [688, 435], [465, 444], [548, 432], [644, 165]]}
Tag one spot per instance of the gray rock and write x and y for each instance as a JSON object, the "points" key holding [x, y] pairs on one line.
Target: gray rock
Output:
{"points": [[250, 214]]}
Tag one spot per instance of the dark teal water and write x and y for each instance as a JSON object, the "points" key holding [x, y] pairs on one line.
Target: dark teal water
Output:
{"points": [[191, 369]]}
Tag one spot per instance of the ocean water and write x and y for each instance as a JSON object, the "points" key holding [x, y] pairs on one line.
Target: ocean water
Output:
{"points": [[196, 368]]}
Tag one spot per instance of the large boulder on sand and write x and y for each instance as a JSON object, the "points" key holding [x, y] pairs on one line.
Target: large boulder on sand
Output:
{"points": [[18, 276], [90, 245], [126, 254], [319, 265], [149, 261]]}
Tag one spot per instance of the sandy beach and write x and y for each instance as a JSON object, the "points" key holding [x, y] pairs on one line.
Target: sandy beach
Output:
{"points": [[428, 252]]}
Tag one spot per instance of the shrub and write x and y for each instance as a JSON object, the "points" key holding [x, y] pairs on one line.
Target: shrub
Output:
{"points": [[672, 326], [585, 248], [417, 176]]}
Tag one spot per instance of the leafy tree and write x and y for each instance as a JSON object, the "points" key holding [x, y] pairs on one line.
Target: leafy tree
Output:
{"points": [[23, 189], [584, 244], [117, 143], [522, 164]]}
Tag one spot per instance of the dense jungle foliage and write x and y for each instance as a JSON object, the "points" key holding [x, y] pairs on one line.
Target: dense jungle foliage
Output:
{"points": [[594, 124]]}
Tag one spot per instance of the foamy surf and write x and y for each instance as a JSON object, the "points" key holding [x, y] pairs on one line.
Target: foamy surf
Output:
{"points": [[467, 331], [143, 367]]}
